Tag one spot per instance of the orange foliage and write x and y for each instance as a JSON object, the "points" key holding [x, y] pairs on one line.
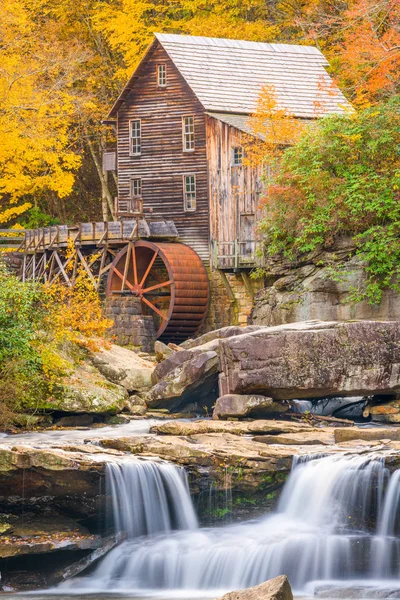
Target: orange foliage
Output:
{"points": [[370, 49], [274, 129]]}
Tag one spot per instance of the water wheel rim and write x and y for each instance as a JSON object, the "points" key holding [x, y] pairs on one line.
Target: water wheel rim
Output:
{"points": [[135, 287]]}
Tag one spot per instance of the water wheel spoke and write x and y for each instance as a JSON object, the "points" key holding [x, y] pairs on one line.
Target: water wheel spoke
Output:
{"points": [[157, 286], [128, 255], [135, 275], [151, 263], [154, 308], [130, 286]]}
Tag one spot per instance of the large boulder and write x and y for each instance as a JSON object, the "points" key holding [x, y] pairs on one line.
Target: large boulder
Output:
{"points": [[124, 367], [274, 589], [189, 375], [86, 391], [83, 390], [313, 360], [184, 378], [234, 405]]}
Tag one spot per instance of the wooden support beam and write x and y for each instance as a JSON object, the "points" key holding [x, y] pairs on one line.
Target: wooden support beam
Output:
{"points": [[228, 287], [87, 269], [247, 283], [62, 270]]}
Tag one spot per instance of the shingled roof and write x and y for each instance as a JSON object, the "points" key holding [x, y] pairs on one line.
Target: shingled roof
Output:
{"points": [[227, 75]]}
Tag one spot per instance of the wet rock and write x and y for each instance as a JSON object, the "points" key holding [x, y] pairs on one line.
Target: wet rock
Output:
{"points": [[306, 438], [77, 567], [124, 367], [357, 592], [184, 378], [28, 421], [371, 434], [313, 360], [385, 411], [252, 466], [180, 428], [342, 408], [235, 405], [274, 589], [50, 533], [116, 420], [66, 477], [75, 421]]}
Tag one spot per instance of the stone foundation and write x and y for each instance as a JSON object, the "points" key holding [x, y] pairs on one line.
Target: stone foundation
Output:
{"points": [[230, 304], [229, 308], [130, 328]]}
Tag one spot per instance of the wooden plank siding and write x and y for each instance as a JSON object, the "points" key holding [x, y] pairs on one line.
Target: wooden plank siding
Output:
{"points": [[162, 163], [234, 193]]}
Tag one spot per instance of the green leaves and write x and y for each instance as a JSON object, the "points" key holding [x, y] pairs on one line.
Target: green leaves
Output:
{"points": [[342, 177]]}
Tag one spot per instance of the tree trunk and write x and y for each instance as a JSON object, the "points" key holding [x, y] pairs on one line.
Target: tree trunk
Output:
{"points": [[107, 200]]}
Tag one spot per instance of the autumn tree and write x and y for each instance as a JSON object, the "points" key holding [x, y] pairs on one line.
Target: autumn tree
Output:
{"points": [[36, 112]]}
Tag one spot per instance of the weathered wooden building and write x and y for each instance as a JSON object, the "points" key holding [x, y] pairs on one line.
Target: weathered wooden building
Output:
{"points": [[180, 121]]}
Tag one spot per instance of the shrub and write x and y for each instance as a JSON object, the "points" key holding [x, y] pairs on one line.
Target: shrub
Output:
{"points": [[342, 177]]}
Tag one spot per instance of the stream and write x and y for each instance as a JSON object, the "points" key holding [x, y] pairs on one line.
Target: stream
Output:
{"points": [[335, 533]]}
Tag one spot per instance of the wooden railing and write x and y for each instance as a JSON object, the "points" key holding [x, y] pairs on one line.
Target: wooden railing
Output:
{"points": [[11, 238], [235, 255]]}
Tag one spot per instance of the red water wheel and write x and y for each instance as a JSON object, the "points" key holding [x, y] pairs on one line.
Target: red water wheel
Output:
{"points": [[171, 282]]}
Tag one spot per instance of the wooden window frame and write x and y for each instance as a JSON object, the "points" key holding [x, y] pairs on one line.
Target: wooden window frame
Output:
{"points": [[236, 150], [131, 186], [131, 138], [184, 134], [159, 67], [186, 193]]}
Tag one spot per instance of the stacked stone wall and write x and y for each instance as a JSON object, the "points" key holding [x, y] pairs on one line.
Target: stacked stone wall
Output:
{"points": [[130, 328], [225, 310]]}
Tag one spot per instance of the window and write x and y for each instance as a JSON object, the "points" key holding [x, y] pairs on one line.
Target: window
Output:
{"points": [[162, 75], [189, 192], [135, 137], [136, 188], [237, 156], [188, 134]]}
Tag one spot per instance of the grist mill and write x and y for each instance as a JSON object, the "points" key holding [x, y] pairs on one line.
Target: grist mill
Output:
{"points": [[177, 258]]}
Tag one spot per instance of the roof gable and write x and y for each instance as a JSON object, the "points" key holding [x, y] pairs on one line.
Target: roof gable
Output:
{"points": [[227, 75]]}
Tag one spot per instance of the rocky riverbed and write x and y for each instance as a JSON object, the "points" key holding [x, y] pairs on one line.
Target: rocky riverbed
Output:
{"points": [[53, 496]]}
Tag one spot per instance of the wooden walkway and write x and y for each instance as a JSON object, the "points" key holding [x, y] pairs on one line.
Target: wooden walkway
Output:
{"points": [[43, 250]]}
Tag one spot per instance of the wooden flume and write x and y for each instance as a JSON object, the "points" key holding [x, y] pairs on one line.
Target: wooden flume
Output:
{"points": [[168, 277]]}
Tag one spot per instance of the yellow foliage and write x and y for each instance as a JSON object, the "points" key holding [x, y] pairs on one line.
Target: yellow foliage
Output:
{"points": [[75, 312], [274, 130], [36, 111]]}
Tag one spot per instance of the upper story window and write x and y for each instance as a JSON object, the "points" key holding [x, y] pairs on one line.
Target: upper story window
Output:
{"points": [[237, 156], [135, 133], [188, 133], [162, 75], [189, 193]]}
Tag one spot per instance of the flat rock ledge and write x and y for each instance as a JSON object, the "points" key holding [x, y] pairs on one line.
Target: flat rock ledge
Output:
{"points": [[274, 589]]}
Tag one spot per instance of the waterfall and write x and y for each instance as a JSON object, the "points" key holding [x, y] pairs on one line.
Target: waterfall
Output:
{"points": [[336, 520], [149, 497]]}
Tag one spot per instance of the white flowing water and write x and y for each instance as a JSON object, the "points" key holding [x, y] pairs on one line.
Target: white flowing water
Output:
{"points": [[337, 519], [149, 498]]}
